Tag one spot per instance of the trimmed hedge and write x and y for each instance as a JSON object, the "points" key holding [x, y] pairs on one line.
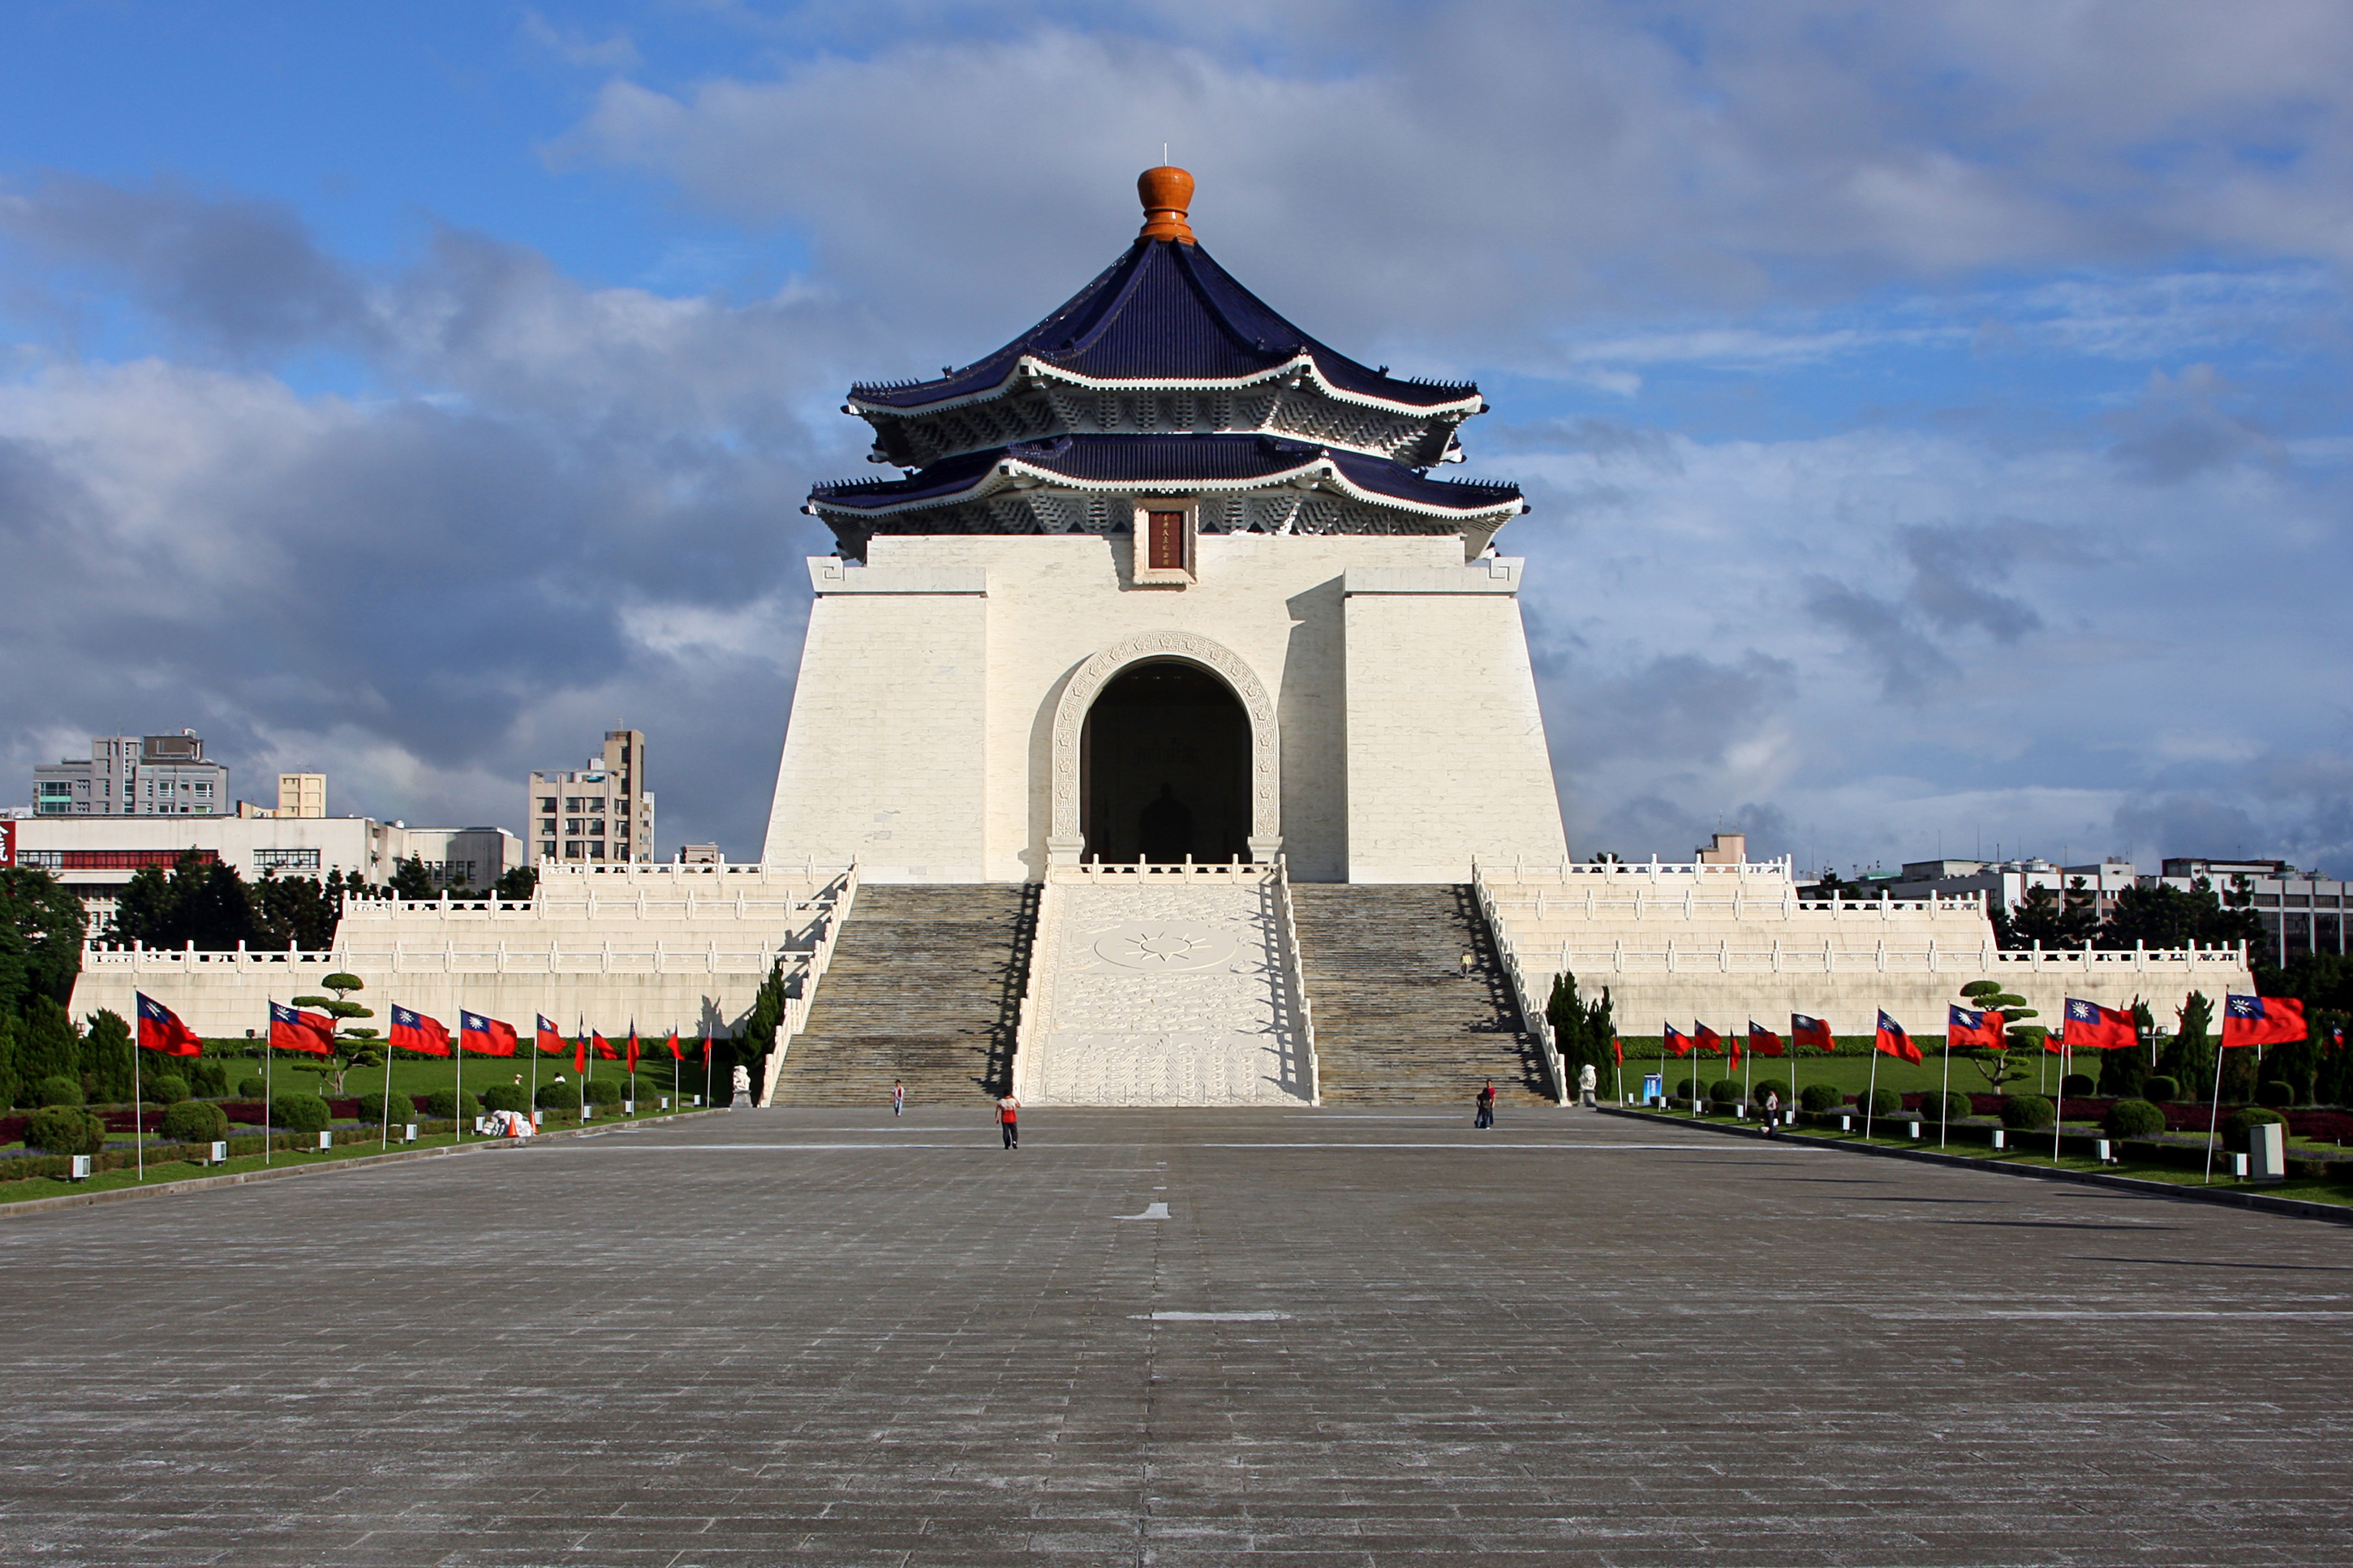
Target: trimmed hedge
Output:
{"points": [[59, 1089], [2078, 1086], [404, 1109], [2025, 1112], [2276, 1094], [1724, 1091], [1938, 1107], [2160, 1090], [557, 1096], [194, 1121], [2236, 1126], [1882, 1102], [250, 1089], [506, 1097], [443, 1105], [166, 1088], [604, 1092], [1821, 1096], [1765, 1086], [299, 1113], [2133, 1118], [64, 1129], [1685, 1088]]}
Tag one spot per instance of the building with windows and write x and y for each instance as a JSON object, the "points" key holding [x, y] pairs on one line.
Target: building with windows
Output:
{"points": [[2006, 884], [2303, 911], [134, 775], [596, 815]]}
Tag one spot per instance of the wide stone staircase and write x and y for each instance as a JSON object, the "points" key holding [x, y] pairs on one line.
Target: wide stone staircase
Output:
{"points": [[1396, 1022], [925, 986]]}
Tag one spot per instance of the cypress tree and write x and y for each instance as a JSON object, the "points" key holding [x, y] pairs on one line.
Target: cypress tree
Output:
{"points": [[1602, 1033], [1570, 1024], [2189, 1059], [2123, 1072], [9, 1080], [105, 1058], [46, 1045]]}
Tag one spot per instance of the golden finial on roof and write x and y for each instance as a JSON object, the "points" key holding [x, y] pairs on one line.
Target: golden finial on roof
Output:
{"points": [[1167, 192]]}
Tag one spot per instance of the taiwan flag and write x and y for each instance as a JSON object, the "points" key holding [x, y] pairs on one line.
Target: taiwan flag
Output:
{"points": [[1814, 1031], [311, 1033], [416, 1032], [580, 1054], [1618, 1048], [1762, 1041], [551, 1039], [706, 1050], [1708, 1039], [484, 1037], [604, 1051], [2092, 1028], [160, 1029], [1676, 1041], [1964, 1026], [2337, 1036], [1893, 1041], [675, 1054], [2246, 1021], [633, 1048]]}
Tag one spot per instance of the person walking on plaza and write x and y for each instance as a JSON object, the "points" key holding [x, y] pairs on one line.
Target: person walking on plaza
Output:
{"points": [[1008, 1112], [1588, 1080], [1486, 1117], [898, 1097], [1772, 1112]]}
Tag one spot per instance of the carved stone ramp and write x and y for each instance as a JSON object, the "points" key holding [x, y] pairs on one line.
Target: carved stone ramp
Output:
{"points": [[1164, 987], [1396, 1022], [925, 986]]}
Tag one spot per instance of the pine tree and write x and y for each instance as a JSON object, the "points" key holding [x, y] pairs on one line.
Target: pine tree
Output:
{"points": [[105, 1058], [1602, 1031], [2123, 1072], [2189, 1059], [1570, 1027], [47, 1045], [9, 1082]]}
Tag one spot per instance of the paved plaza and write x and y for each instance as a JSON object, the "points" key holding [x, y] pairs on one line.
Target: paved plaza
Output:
{"points": [[1354, 1338]]}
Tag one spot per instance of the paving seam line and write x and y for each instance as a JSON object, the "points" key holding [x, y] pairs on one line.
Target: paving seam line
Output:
{"points": [[198, 1184], [2299, 1208]]}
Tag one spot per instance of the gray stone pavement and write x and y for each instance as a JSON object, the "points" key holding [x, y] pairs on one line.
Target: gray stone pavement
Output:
{"points": [[824, 1337]]}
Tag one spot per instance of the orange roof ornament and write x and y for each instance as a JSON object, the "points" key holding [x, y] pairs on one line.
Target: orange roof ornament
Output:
{"points": [[1167, 192]]}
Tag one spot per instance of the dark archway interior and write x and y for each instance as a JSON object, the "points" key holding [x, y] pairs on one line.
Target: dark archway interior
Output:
{"points": [[1166, 767]]}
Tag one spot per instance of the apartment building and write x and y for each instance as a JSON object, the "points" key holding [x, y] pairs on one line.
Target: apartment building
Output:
{"points": [[597, 814], [134, 775]]}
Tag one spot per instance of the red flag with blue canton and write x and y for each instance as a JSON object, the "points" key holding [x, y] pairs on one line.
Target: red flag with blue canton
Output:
{"points": [[1969, 1026], [2092, 1028], [2262, 1021], [1762, 1041], [1708, 1039], [160, 1029], [675, 1054], [484, 1037], [550, 1039], [1892, 1040], [416, 1032], [580, 1054], [1814, 1031], [314, 1033], [633, 1048], [1675, 1041], [604, 1051]]}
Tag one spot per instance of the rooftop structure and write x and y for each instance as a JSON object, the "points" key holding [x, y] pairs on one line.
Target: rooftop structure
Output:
{"points": [[134, 775]]}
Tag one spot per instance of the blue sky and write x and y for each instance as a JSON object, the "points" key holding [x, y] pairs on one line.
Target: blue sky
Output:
{"points": [[1937, 416]]}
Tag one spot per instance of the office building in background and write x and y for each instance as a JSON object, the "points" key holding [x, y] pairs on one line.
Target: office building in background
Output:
{"points": [[600, 813]]}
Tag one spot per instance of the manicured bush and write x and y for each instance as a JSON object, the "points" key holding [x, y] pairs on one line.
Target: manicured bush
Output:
{"points": [[2160, 1090], [1765, 1086], [194, 1121], [604, 1092], [506, 1097], [1940, 1106], [2274, 1093], [1684, 1088], [299, 1112], [61, 1088], [556, 1096], [2235, 1126], [65, 1129], [250, 1089], [2077, 1086], [1819, 1097], [1724, 1091], [2133, 1118], [165, 1089], [2024, 1113], [443, 1105], [1882, 1101], [207, 1078], [372, 1108]]}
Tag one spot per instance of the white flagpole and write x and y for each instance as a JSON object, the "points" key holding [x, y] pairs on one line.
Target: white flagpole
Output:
{"points": [[268, 1061], [587, 1066], [458, 1065], [2215, 1112], [2058, 1112], [1872, 1092], [386, 1141], [138, 1113], [532, 1111], [1944, 1099]]}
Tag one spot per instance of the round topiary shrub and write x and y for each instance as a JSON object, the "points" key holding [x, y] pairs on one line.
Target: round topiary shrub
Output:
{"points": [[1882, 1101], [207, 1080], [372, 1108], [2236, 1125], [1821, 1096], [299, 1113], [506, 1097], [65, 1129], [165, 1089], [443, 1105], [1724, 1091], [1684, 1088], [250, 1089], [194, 1121], [2275, 1094], [1765, 1086], [2024, 1113], [59, 1089], [556, 1096], [2133, 1118], [604, 1092], [1941, 1106], [2160, 1090], [2078, 1086]]}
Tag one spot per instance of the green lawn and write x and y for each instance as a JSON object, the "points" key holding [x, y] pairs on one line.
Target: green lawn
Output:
{"points": [[417, 1077]]}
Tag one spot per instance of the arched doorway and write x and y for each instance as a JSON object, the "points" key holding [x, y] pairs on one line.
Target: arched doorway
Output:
{"points": [[1165, 767]]}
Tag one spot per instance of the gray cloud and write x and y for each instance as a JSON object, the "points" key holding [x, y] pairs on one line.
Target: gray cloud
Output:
{"points": [[2179, 428]]}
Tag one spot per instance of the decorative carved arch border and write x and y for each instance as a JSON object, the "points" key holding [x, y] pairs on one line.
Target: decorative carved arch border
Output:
{"points": [[1063, 844]]}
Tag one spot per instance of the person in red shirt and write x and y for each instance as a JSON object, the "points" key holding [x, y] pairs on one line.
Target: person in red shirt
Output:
{"points": [[1008, 1112], [1486, 1117]]}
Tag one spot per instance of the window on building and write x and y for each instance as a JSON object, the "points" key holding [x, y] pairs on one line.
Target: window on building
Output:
{"points": [[547, 825], [286, 860], [547, 803], [574, 849], [596, 851], [547, 848], [597, 829]]}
